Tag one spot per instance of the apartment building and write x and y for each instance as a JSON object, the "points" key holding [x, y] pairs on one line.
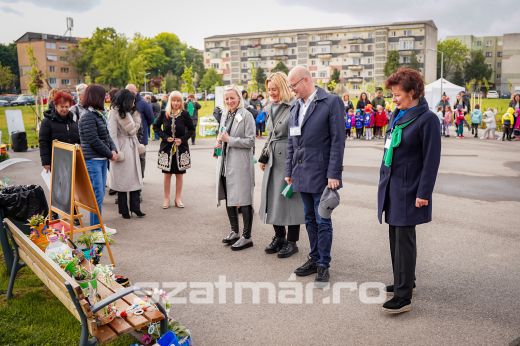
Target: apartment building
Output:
{"points": [[358, 52], [502, 55], [50, 53]]}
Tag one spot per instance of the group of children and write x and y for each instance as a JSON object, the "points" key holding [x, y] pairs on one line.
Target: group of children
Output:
{"points": [[367, 123], [458, 118]]}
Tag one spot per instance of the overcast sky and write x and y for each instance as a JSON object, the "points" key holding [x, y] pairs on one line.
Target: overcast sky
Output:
{"points": [[194, 20]]}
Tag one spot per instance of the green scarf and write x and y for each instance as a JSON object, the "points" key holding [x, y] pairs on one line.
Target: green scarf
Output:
{"points": [[395, 141]]}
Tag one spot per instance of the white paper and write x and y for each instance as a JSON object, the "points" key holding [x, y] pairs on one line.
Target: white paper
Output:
{"points": [[46, 176]]}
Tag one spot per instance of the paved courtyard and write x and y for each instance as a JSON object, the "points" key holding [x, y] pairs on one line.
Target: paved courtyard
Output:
{"points": [[468, 266]]}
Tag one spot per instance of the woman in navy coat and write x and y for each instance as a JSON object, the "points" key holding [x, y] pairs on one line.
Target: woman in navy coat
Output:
{"points": [[407, 178]]}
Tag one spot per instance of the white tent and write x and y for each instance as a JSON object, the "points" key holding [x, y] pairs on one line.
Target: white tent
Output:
{"points": [[432, 92]]}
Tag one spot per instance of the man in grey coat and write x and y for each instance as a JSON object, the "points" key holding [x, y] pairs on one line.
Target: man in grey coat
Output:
{"points": [[315, 161]]}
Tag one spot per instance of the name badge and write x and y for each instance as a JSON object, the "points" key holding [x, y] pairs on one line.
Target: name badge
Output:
{"points": [[388, 141], [239, 117], [295, 131]]}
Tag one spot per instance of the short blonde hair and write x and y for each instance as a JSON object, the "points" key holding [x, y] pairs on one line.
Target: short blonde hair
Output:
{"points": [[234, 88], [173, 94], [346, 94], [280, 81]]}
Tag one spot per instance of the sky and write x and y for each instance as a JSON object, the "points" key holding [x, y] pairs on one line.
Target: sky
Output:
{"points": [[194, 20]]}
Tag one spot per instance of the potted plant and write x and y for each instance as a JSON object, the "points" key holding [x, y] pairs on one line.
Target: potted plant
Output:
{"points": [[37, 225], [86, 279], [91, 250]]}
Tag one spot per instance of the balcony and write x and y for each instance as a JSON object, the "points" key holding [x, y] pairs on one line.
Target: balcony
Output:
{"points": [[325, 56], [356, 40], [355, 67], [351, 54], [406, 51], [280, 45], [216, 49], [355, 79], [327, 43], [280, 56]]}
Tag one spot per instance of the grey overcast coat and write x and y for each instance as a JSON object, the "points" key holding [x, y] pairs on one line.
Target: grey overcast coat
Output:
{"points": [[413, 171], [125, 174], [274, 208], [238, 165]]}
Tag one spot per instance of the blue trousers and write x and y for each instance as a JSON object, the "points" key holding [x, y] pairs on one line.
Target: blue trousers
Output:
{"points": [[318, 229], [97, 171]]}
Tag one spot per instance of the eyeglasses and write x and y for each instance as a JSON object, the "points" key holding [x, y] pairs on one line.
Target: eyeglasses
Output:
{"points": [[292, 86]]}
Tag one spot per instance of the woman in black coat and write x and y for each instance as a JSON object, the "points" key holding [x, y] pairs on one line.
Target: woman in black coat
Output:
{"points": [[407, 177], [57, 124], [175, 128], [363, 101]]}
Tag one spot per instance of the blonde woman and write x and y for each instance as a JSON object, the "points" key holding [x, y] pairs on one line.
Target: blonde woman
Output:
{"points": [[174, 127], [235, 168], [276, 209]]}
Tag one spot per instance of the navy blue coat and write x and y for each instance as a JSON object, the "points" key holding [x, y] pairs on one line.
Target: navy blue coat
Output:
{"points": [[317, 155], [95, 139], [414, 169], [146, 111]]}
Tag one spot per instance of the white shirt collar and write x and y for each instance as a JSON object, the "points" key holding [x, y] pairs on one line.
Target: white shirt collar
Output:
{"points": [[309, 99]]}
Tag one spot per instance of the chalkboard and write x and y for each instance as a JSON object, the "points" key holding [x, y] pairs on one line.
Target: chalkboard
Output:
{"points": [[62, 161]]}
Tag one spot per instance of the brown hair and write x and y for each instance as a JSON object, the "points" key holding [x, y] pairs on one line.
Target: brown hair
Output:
{"points": [[95, 97], [408, 79]]}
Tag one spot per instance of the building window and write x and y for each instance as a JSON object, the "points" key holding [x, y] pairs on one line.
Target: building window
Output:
{"points": [[489, 65], [488, 43], [407, 33], [313, 74], [52, 69], [499, 64], [355, 86], [63, 58], [65, 82], [64, 47], [498, 75], [313, 62], [392, 33], [479, 43], [51, 57], [499, 54], [50, 45], [323, 74], [64, 70], [489, 54], [325, 63], [52, 81], [215, 65], [369, 47]]}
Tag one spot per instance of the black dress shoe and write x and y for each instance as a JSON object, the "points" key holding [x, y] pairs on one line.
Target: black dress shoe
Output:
{"points": [[138, 213], [308, 268], [275, 246], [111, 192], [125, 216], [323, 275], [397, 305], [289, 248], [390, 289]]}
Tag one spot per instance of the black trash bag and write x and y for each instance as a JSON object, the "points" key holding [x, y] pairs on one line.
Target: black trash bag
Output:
{"points": [[20, 202]]}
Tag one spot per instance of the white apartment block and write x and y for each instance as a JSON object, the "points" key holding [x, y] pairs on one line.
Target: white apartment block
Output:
{"points": [[358, 52]]}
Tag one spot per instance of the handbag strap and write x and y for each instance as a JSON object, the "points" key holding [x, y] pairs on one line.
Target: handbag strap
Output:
{"points": [[269, 139]]}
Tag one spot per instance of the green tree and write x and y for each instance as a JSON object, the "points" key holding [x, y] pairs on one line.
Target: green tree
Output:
{"points": [[392, 63], [252, 84], [260, 78], [476, 67], [455, 54], [9, 59], [280, 67], [210, 79], [331, 86], [7, 78], [187, 80], [171, 82], [414, 62], [335, 76], [35, 84], [458, 77]]}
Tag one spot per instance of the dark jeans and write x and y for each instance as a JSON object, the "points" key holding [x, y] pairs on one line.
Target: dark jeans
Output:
{"points": [[319, 229], [403, 249], [122, 202], [507, 132], [474, 129], [194, 135], [293, 232], [260, 128]]}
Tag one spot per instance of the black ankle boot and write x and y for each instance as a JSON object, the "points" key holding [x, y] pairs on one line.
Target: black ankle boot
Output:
{"points": [[275, 246], [289, 248], [247, 215]]}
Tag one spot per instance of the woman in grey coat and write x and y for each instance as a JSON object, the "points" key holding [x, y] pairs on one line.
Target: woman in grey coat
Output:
{"points": [[275, 209], [125, 173], [235, 167]]}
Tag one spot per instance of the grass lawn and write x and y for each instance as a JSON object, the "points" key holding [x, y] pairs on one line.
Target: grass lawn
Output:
{"points": [[35, 317]]}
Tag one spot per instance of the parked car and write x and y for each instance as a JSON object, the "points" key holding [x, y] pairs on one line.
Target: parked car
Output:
{"points": [[199, 96], [505, 95], [23, 100], [210, 97], [4, 103], [492, 94], [8, 98]]}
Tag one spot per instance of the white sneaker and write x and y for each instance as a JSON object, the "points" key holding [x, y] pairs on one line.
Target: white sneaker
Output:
{"points": [[110, 231]]}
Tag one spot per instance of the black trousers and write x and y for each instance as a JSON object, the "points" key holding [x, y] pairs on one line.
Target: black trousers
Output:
{"points": [[122, 202], [474, 129], [293, 232], [347, 133], [507, 132], [403, 249], [142, 160], [359, 133]]}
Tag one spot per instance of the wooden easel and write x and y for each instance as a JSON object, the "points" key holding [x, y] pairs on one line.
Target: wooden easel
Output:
{"points": [[71, 190]]}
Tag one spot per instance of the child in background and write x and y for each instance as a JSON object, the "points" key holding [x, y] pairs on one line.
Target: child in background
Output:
{"points": [[441, 119], [491, 124], [448, 120], [368, 122], [349, 119], [260, 120], [516, 128], [381, 121], [508, 120], [388, 110], [358, 122], [459, 122], [476, 120]]}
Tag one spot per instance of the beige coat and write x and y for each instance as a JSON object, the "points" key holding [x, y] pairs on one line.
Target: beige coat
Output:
{"points": [[125, 173]]}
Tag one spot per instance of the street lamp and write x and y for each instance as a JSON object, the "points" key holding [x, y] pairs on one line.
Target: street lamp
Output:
{"points": [[145, 74], [442, 65]]}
